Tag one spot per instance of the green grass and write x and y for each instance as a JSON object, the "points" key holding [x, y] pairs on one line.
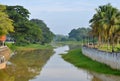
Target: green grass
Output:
{"points": [[70, 43], [79, 60], [28, 47]]}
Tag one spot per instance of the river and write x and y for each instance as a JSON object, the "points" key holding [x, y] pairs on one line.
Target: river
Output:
{"points": [[45, 65], [57, 69]]}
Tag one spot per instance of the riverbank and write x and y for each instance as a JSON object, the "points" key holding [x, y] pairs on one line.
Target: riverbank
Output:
{"points": [[29, 47], [109, 58], [69, 43], [79, 60], [4, 56]]}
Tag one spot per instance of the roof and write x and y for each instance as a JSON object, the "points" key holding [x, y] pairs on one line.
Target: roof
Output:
{"points": [[3, 38]]}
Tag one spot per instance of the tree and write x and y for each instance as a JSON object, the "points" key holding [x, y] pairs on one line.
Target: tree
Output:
{"points": [[46, 33], [79, 34], [6, 24], [105, 23], [25, 31], [61, 38], [17, 13]]}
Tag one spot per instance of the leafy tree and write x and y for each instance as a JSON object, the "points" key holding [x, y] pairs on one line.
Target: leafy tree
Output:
{"points": [[18, 13], [20, 17], [34, 34], [79, 34], [60, 38], [25, 31], [46, 33], [106, 23], [6, 24]]}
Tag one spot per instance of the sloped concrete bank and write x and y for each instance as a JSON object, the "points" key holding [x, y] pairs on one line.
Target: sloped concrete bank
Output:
{"points": [[109, 58], [103, 77], [4, 56]]}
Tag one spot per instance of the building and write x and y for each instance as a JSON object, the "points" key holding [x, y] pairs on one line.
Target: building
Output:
{"points": [[2, 40]]}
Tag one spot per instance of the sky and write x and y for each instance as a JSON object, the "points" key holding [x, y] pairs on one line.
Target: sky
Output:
{"points": [[61, 16]]}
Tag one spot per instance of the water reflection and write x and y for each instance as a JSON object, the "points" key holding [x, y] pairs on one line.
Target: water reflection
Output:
{"points": [[42, 65], [57, 69], [25, 65]]}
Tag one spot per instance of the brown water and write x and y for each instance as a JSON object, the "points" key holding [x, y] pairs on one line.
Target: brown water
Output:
{"points": [[44, 65]]}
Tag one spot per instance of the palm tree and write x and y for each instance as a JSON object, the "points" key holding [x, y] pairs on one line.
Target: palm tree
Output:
{"points": [[97, 26], [112, 19], [105, 23]]}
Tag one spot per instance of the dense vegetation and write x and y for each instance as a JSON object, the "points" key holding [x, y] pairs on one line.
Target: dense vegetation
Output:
{"points": [[5, 23], [16, 18], [27, 31], [60, 38], [80, 34], [47, 35], [105, 25]]}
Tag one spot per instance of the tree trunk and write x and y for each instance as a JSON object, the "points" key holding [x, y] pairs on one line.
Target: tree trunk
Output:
{"points": [[112, 43], [99, 41], [108, 43]]}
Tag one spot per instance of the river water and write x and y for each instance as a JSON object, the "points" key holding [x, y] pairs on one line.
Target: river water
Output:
{"points": [[46, 65], [57, 69]]}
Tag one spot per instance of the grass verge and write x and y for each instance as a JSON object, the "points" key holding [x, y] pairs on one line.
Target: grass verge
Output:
{"points": [[79, 60], [28, 47], [70, 43]]}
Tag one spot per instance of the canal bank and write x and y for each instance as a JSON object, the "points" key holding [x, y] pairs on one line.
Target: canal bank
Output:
{"points": [[111, 59], [79, 60], [4, 56], [44, 65]]}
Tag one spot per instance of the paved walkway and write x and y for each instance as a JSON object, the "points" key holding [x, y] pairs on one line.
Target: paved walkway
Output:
{"points": [[2, 48]]}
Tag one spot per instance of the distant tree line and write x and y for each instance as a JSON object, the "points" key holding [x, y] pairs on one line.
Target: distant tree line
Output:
{"points": [[104, 28], [80, 34], [20, 29], [60, 38]]}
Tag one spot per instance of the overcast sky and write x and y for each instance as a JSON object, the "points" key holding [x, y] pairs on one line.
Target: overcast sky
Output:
{"points": [[61, 16]]}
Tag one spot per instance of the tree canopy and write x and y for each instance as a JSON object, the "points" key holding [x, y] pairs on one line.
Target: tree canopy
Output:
{"points": [[27, 31], [59, 37], [105, 24], [47, 35], [79, 34], [6, 24]]}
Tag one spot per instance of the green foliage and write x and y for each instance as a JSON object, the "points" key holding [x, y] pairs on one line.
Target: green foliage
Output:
{"points": [[78, 59], [17, 13], [60, 38], [46, 33], [105, 24], [79, 34], [28, 47], [26, 32], [5, 23]]}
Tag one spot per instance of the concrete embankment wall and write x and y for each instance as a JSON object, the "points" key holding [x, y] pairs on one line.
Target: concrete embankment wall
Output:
{"points": [[103, 77], [111, 59], [5, 52]]}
